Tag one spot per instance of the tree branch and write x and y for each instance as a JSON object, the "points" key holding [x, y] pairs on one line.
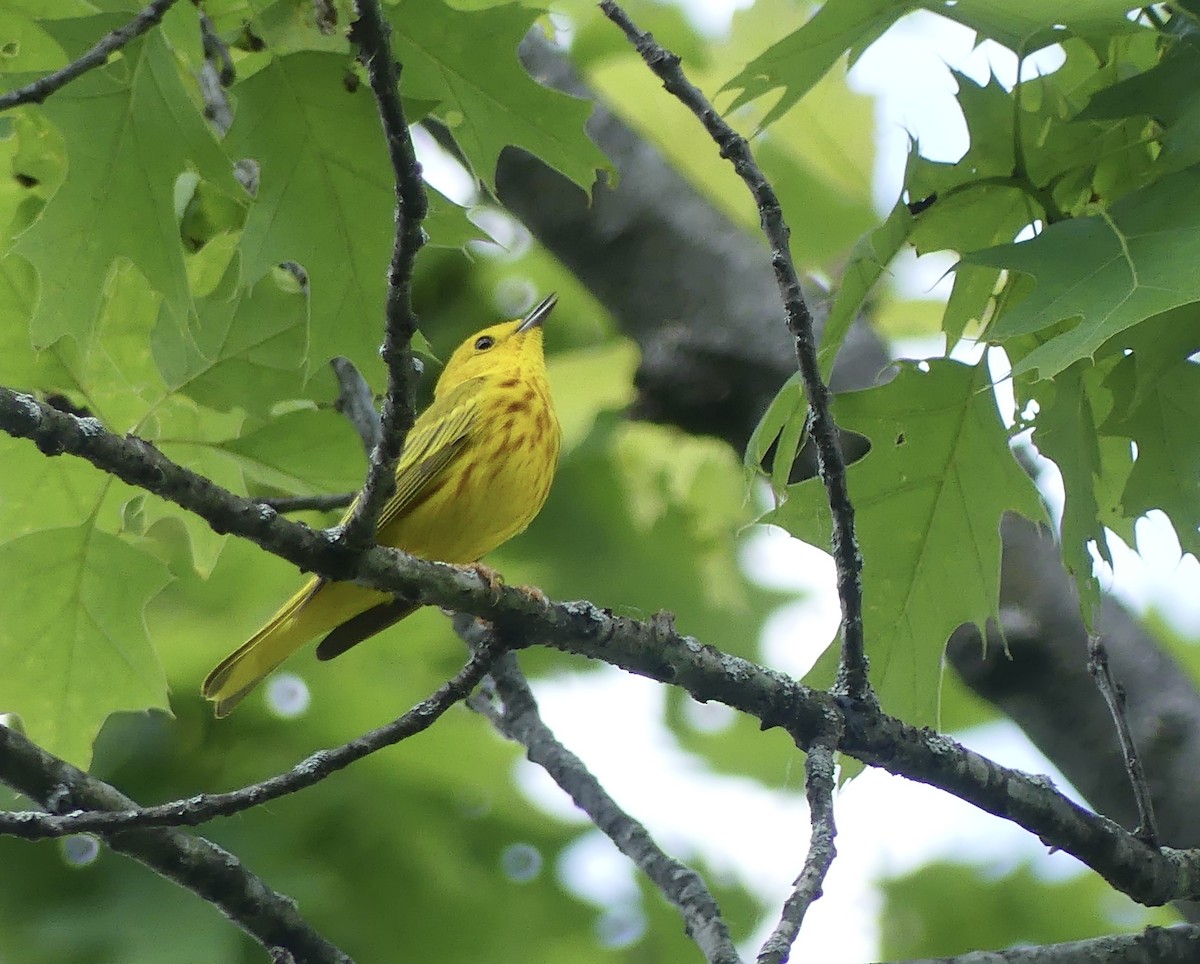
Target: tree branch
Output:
{"points": [[213, 874], [652, 250], [852, 672], [370, 33], [199, 809], [1114, 696], [301, 503], [650, 648], [356, 402], [1179, 944], [42, 88], [517, 717], [819, 785]]}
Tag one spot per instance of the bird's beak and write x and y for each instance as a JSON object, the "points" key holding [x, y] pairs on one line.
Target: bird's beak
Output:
{"points": [[539, 314]]}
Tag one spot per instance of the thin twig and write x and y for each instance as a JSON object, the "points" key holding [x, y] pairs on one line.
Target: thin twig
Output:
{"points": [[302, 503], [819, 782], [517, 717], [1114, 696], [213, 874], [370, 33], [216, 74], [852, 680], [648, 647], [356, 401], [42, 88], [199, 809]]}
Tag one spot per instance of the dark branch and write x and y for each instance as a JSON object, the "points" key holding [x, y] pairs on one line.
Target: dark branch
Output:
{"points": [[370, 33], [516, 716], [1114, 696], [852, 674], [42, 88], [650, 648], [1155, 945], [200, 809], [819, 783], [301, 503], [213, 874]]}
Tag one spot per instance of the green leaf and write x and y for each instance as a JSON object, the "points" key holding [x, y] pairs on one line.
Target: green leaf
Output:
{"points": [[1109, 271], [325, 197], [77, 650], [130, 130], [782, 426], [1165, 425], [27, 46], [246, 346], [304, 451], [1066, 432], [929, 497], [1028, 25], [868, 262], [467, 63], [798, 61]]}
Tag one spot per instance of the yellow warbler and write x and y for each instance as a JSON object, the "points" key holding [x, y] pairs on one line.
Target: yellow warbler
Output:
{"points": [[475, 470]]}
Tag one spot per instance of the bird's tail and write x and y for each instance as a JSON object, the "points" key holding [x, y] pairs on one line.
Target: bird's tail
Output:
{"points": [[317, 608]]}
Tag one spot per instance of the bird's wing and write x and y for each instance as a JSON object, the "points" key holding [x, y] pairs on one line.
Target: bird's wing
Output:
{"points": [[436, 438]]}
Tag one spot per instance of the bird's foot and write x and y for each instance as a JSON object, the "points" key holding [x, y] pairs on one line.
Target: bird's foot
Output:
{"points": [[495, 582], [532, 592]]}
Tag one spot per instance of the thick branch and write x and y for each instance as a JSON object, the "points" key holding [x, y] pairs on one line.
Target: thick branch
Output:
{"points": [[1155, 945], [213, 874], [40, 89], [200, 809], [650, 648], [517, 717], [852, 672]]}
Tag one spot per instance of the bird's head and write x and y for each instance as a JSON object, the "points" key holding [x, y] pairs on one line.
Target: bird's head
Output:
{"points": [[502, 350]]}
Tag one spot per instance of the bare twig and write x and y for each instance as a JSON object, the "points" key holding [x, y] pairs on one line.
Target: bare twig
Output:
{"points": [[216, 74], [356, 401], [213, 874], [852, 673], [370, 34], [819, 768], [302, 503], [202, 808], [646, 647], [517, 717], [42, 88], [1114, 696], [819, 783]]}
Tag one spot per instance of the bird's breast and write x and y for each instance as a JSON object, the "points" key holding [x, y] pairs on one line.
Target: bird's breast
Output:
{"points": [[498, 482]]}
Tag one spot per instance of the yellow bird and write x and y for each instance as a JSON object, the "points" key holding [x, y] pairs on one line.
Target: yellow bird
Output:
{"points": [[475, 470]]}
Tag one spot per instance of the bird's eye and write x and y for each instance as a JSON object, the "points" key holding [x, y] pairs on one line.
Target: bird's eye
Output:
{"points": [[484, 342]]}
